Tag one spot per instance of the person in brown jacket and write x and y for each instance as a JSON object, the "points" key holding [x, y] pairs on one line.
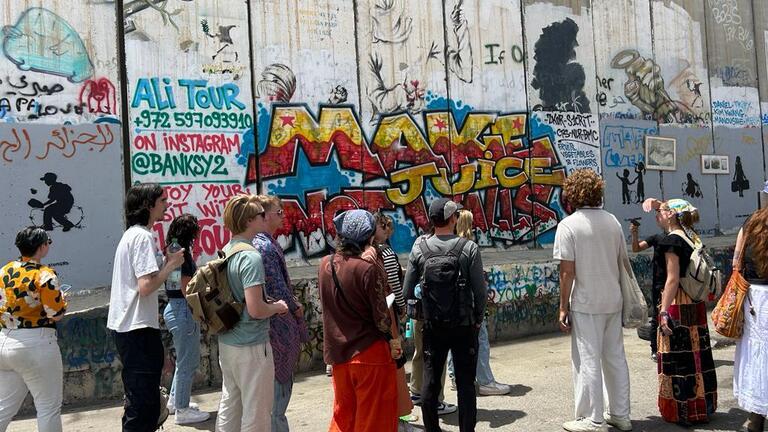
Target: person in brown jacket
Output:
{"points": [[357, 340]]}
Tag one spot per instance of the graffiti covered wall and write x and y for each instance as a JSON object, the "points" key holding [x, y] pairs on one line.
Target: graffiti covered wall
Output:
{"points": [[60, 134], [190, 115], [379, 104]]}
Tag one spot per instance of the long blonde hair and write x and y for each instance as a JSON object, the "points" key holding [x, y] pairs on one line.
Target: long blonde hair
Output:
{"points": [[465, 225]]}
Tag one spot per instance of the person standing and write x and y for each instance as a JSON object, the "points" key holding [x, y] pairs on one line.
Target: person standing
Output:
{"points": [[184, 329], [137, 274], [589, 245], [486, 382], [448, 268], [750, 365], [357, 338], [658, 278], [687, 377], [286, 331], [30, 305], [245, 354]]}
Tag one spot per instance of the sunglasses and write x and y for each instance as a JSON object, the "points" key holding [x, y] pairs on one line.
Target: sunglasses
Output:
{"points": [[50, 242]]}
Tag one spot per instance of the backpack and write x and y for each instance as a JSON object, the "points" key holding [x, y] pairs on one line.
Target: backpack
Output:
{"points": [[702, 278], [445, 298], [209, 296]]}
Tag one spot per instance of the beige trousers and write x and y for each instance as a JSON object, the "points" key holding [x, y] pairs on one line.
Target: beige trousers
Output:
{"points": [[248, 388]]}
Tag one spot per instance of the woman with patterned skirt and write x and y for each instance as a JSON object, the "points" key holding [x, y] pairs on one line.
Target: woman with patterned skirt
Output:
{"points": [[687, 379]]}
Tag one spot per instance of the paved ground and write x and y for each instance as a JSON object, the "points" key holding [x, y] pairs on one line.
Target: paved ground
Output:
{"points": [[541, 400]]}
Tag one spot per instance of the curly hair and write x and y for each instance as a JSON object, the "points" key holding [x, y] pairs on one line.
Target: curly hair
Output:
{"points": [[584, 188], [183, 229], [756, 235]]}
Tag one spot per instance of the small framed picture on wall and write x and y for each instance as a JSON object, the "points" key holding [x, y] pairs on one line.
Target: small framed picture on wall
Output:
{"points": [[714, 164], [660, 153]]}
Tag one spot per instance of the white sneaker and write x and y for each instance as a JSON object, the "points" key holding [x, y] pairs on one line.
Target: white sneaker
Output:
{"points": [[493, 389], [444, 408], [191, 415], [620, 423], [584, 425], [172, 402]]}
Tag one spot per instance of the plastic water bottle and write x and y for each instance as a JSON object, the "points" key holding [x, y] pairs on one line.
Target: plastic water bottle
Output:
{"points": [[174, 279]]}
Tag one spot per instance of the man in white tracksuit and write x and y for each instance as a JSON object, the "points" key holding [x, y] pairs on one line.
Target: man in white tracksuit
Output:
{"points": [[588, 244]]}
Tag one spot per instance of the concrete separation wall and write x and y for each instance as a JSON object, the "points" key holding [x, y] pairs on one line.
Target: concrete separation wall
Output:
{"points": [[524, 294]]}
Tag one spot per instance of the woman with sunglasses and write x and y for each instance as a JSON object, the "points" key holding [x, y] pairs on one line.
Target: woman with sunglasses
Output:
{"points": [[687, 379], [30, 305]]}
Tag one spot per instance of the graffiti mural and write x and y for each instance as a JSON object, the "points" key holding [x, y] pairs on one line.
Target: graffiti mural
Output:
{"points": [[558, 78], [488, 163], [190, 117]]}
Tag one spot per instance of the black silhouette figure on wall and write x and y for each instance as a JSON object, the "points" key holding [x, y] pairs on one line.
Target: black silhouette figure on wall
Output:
{"points": [[740, 181], [59, 204], [691, 187], [640, 171], [625, 196], [559, 80]]}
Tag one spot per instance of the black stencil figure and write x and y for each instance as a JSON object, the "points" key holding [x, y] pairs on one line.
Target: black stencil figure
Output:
{"points": [[640, 171], [625, 196], [691, 188], [59, 204], [560, 80], [740, 182]]}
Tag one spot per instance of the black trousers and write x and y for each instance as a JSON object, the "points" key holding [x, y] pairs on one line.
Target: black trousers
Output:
{"points": [[141, 352], [655, 303], [462, 342]]}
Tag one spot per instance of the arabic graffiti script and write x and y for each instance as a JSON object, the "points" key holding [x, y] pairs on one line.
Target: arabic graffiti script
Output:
{"points": [[26, 142]]}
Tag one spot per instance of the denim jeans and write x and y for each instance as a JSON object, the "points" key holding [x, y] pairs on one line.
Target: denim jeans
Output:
{"points": [[282, 397], [142, 355], [30, 359], [186, 341], [484, 373]]}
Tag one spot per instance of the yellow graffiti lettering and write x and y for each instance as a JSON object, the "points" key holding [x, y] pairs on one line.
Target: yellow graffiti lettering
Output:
{"points": [[413, 179], [466, 179], [486, 179], [506, 180], [288, 122], [400, 126], [441, 183], [510, 126]]}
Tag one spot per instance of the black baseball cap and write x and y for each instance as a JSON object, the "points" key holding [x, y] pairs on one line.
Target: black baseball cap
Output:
{"points": [[442, 209]]}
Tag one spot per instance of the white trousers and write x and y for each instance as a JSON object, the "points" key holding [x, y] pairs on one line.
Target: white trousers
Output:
{"points": [[600, 372], [248, 388], [30, 360]]}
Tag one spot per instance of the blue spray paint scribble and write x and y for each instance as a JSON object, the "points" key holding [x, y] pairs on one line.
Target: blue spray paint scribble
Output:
{"points": [[263, 122], [42, 41], [247, 148], [306, 177]]}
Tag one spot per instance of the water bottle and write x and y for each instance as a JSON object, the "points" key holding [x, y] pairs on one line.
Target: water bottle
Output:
{"points": [[174, 279]]}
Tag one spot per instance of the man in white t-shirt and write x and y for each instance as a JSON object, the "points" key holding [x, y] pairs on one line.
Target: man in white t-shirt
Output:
{"points": [[588, 244], [137, 274]]}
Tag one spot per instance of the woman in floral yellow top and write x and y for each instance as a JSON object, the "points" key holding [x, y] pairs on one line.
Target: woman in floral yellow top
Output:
{"points": [[30, 305]]}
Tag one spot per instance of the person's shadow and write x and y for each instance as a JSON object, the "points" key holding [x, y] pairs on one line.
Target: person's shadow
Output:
{"points": [[495, 417]]}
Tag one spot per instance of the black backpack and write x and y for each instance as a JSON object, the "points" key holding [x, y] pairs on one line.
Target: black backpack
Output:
{"points": [[446, 301]]}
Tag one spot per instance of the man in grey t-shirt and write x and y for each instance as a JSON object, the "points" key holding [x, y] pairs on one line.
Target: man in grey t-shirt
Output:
{"points": [[460, 337]]}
